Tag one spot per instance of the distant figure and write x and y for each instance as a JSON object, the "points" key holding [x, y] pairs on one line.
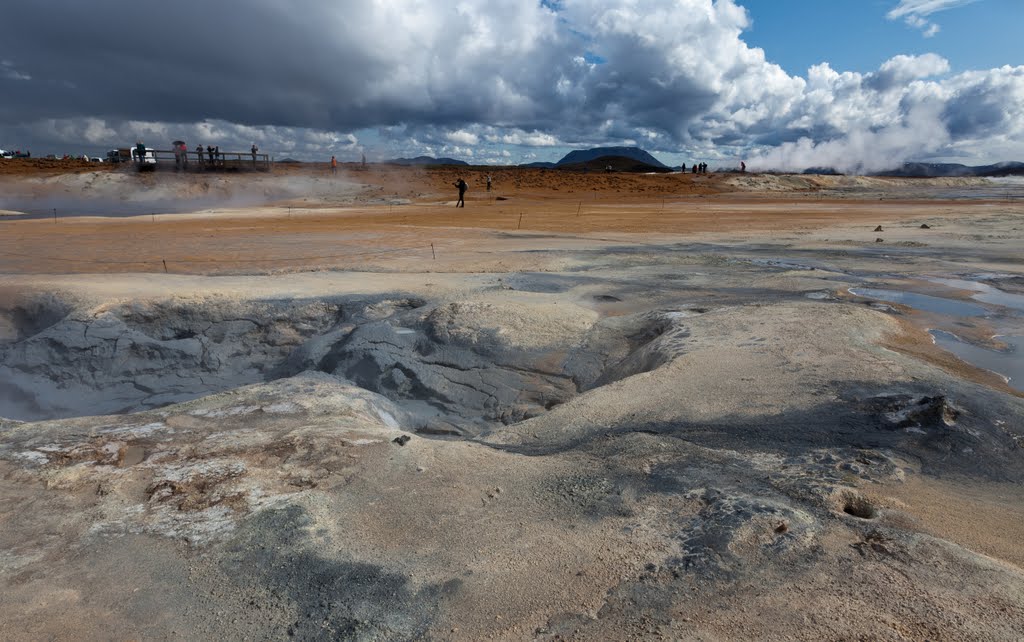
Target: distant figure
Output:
{"points": [[608, 169], [184, 155], [140, 152], [488, 182], [461, 184], [695, 169], [209, 153], [364, 161], [199, 153], [254, 149], [334, 165], [743, 166], [216, 154]]}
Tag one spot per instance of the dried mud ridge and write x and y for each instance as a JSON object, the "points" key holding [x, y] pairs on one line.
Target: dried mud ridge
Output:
{"points": [[283, 442]]}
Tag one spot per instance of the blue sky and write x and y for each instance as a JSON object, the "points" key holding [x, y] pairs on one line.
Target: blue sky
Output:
{"points": [[855, 35]]}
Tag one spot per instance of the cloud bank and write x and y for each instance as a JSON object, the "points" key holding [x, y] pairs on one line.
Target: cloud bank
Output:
{"points": [[487, 79]]}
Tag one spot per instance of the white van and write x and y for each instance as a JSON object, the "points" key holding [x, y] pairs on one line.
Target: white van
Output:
{"points": [[148, 159]]}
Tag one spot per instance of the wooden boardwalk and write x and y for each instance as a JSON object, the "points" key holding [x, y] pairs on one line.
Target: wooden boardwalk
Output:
{"points": [[219, 161]]}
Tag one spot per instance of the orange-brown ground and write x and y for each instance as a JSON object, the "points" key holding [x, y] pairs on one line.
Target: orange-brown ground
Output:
{"points": [[297, 236]]}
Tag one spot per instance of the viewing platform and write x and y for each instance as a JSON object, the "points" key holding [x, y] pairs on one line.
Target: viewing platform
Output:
{"points": [[158, 159]]}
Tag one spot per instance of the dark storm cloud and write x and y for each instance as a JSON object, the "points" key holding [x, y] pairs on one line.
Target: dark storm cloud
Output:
{"points": [[251, 62]]}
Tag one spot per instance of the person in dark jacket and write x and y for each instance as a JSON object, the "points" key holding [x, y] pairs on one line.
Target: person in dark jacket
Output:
{"points": [[461, 184]]}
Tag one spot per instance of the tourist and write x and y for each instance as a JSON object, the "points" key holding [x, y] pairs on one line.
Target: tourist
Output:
{"points": [[461, 184]]}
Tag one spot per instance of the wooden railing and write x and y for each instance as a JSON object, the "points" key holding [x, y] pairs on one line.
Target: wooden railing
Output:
{"points": [[194, 161]]}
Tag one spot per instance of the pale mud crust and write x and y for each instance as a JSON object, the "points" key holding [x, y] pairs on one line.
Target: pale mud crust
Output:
{"points": [[545, 434]]}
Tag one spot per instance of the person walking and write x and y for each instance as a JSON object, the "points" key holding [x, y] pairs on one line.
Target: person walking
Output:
{"points": [[334, 165], [488, 182], [461, 184]]}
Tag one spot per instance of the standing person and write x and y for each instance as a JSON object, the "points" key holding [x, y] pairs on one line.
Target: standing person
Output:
{"points": [[488, 182], [334, 165], [743, 166], [461, 184], [216, 154], [140, 152], [254, 149], [364, 161], [209, 153], [199, 154], [694, 168]]}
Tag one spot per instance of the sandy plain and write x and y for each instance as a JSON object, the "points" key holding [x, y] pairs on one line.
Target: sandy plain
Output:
{"points": [[637, 406]]}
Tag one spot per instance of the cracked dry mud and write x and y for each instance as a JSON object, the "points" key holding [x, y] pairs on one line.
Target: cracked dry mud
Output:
{"points": [[670, 440]]}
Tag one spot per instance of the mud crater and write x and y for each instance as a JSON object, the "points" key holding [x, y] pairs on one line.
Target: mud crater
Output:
{"points": [[451, 365]]}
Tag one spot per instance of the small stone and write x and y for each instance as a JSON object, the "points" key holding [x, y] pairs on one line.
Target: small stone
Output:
{"points": [[925, 226], [878, 229], [879, 240], [402, 440]]}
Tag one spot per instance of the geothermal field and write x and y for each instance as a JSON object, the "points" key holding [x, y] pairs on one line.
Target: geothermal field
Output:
{"points": [[586, 406]]}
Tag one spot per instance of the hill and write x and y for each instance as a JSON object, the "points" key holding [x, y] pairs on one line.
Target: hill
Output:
{"points": [[634, 153], [426, 160], [616, 163], [538, 165]]}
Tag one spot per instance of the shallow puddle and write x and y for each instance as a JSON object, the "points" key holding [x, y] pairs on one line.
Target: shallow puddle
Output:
{"points": [[985, 292], [1009, 364], [924, 302]]}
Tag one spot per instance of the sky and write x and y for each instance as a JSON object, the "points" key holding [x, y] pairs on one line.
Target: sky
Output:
{"points": [[858, 85]]}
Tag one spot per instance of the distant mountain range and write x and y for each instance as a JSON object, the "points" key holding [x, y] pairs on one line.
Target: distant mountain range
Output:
{"points": [[941, 170], [426, 160], [634, 159]]}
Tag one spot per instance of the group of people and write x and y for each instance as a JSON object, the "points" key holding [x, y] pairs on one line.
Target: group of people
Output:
{"points": [[700, 168], [209, 156]]}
